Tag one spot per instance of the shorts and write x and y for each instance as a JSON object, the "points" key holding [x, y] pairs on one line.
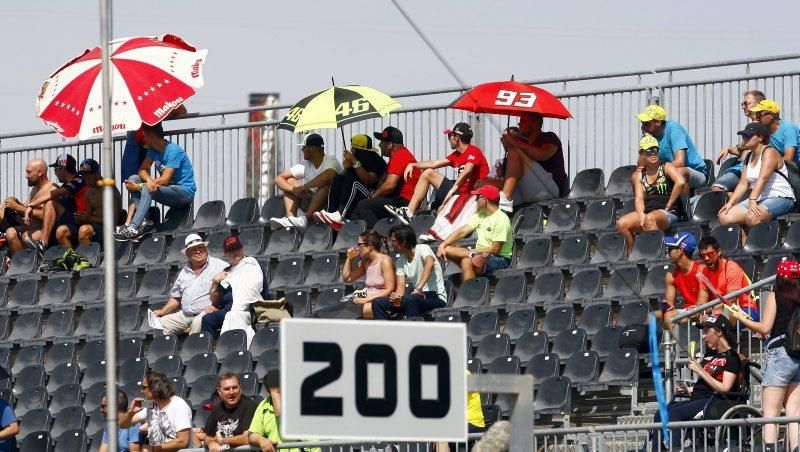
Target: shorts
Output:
{"points": [[780, 369], [671, 217], [441, 192], [97, 235], [727, 181], [495, 263], [696, 178], [776, 206]]}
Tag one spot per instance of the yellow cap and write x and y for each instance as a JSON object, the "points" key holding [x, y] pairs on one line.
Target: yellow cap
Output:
{"points": [[651, 113], [647, 142], [361, 141], [767, 105]]}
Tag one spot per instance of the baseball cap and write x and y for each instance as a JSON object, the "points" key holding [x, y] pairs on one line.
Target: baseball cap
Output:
{"points": [[652, 113], [720, 323], [314, 140], [462, 129], [361, 141], [272, 378], [788, 269], [232, 243], [139, 136], [752, 129], [89, 166], [191, 241], [683, 240], [65, 161], [390, 134], [490, 192], [648, 142], [767, 105]]}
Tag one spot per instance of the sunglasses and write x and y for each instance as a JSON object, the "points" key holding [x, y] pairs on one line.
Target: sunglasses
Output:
{"points": [[651, 152], [708, 254], [145, 386], [362, 244], [747, 136]]}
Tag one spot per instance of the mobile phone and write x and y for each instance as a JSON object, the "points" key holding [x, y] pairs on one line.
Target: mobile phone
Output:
{"points": [[149, 404]]}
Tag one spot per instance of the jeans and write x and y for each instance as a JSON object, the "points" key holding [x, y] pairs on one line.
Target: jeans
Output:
{"points": [[776, 205], [679, 411], [169, 195], [413, 305], [212, 322]]}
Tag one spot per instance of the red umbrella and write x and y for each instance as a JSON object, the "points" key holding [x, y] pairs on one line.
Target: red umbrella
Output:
{"points": [[511, 98], [151, 76]]}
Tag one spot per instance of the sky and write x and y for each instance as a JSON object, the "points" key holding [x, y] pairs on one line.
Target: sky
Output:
{"points": [[294, 47]]}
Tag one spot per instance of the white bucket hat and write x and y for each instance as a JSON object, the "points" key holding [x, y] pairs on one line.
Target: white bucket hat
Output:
{"points": [[191, 241]]}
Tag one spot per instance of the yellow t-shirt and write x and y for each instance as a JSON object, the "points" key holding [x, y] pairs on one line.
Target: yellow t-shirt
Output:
{"points": [[474, 409], [493, 228]]}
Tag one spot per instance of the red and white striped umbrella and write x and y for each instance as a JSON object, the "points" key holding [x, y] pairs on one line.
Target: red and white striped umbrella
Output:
{"points": [[150, 77]]}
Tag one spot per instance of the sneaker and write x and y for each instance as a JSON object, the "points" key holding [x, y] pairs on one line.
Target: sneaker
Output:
{"points": [[146, 226], [426, 238], [120, 228], [402, 214], [299, 222], [129, 233], [319, 217], [38, 245], [280, 223], [506, 204], [334, 219]]}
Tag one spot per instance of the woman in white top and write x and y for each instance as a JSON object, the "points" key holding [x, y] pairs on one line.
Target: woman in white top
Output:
{"points": [[765, 174], [168, 417]]}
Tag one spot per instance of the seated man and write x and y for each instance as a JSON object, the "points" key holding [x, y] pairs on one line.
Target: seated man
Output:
{"points": [[394, 190], [730, 178], [33, 224], [306, 183], [495, 240], [189, 298], [683, 279], [127, 438], [674, 144], [726, 276], [230, 417], [364, 168], [90, 221], [469, 162]]}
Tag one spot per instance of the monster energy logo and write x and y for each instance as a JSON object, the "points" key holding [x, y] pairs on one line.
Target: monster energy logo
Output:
{"points": [[662, 187]]}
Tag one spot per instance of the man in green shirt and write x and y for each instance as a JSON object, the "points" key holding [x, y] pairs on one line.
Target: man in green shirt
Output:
{"points": [[264, 431], [495, 243]]}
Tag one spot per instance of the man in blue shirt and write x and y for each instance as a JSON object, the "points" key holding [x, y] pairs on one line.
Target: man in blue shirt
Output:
{"points": [[784, 134], [728, 180], [127, 438], [9, 426], [674, 144], [174, 187]]}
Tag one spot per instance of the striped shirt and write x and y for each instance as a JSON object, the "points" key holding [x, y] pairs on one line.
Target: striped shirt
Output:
{"points": [[192, 289]]}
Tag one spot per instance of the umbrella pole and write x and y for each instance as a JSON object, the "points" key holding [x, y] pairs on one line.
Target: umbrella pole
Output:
{"points": [[344, 141], [108, 233], [505, 151]]}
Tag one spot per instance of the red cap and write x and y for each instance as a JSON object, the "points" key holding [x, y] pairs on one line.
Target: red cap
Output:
{"points": [[489, 192], [788, 270], [139, 136], [232, 243]]}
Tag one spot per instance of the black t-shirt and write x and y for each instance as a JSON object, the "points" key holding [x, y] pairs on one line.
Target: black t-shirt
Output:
{"points": [[716, 364], [555, 164], [783, 312], [372, 162], [75, 187], [230, 422]]}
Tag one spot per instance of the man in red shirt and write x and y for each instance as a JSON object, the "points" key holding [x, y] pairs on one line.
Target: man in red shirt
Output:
{"points": [[683, 280], [469, 162], [726, 276], [395, 189]]}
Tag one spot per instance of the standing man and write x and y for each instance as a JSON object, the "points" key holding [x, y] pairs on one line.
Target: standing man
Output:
{"points": [[306, 184], [783, 134], [495, 243], [189, 298], [683, 279], [674, 144], [470, 164], [726, 276], [396, 190], [90, 221], [38, 223], [230, 417], [9, 427]]}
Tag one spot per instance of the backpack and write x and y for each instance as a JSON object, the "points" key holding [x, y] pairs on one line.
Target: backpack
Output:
{"points": [[71, 261], [792, 176], [636, 337], [792, 341]]}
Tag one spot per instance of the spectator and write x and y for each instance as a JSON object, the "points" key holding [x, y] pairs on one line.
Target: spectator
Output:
{"points": [[169, 418], [717, 372], [395, 190], [33, 224], [231, 416], [682, 279], [727, 181], [470, 165], [418, 266], [174, 187], [475, 423], [377, 266], [307, 184], [364, 168], [674, 143], [534, 170], [234, 290], [189, 298], [726, 276], [135, 152], [264, 432], [90, 221], [765, 174], [657, 192], [780, 371], [783, 134], [9, 426], [127, 438], [495, 243]]}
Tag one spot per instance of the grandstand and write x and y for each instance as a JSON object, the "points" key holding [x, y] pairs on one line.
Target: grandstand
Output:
{"points": [[557, 313]]}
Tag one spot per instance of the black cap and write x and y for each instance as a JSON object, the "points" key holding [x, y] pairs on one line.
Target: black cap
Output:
{"points": [[462, 129], [754, 128], [272, 378], [720, 323], [390, 134], [314, 140], [66, 161]]}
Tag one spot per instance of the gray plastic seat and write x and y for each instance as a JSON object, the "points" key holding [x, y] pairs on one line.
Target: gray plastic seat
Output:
{"points": [[216, 239], [621, 367], [594, 318], [132, 371], [93, 374], [166, 345], [92, 321], [36, 440], [569, 342], [29, 377], [37, 420], [707, 207], [57, 290], [492, 347], [573, 251], [324, 269], [273, 207], [529, 221], [210, 215], [729, 237], [175, 254], [201, 388], [92, 352], [473, 292], [547, 287], [249, 382], [66, 396], [24, 262], [237, 362], [270, 359], [623, 282], [243, 211], [128, 316], [510, 289], [606, 341], [126, 284], [265, 339], [194, 344], [553, 396], [89, 288], [348, 235], [32, 398], [230, 341], [600, 214], [281, 241], [72, 418], [317, 237], [588, 183], [90, 251], [29, 355], [154, 283], [150, 251], [562, 218], [557, 320], [170, 365], [288, 273], [299, 303], [586, 285], [582, 367], [519, 323], [610, 248], [647, 245], [634, 313], [24, 293], [199, 365], [542, 367], [619, 182], [64, 374], [653, 285], [28, 325], [531, 344], [481, 325], [59, 353], [762, 237], [74, 440], [123, 251], [253, 240], [535, 254]]}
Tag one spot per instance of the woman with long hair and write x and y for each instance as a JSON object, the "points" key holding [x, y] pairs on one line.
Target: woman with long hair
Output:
{"points": [[377, 266], [781, 372]]}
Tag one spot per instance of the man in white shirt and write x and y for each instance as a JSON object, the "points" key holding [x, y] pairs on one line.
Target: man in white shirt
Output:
{"points": [[306, 184], [189, 298], [168, 418]]}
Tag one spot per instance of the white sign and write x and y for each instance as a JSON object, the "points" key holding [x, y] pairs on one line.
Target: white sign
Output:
{"points": [[384, 381]]}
